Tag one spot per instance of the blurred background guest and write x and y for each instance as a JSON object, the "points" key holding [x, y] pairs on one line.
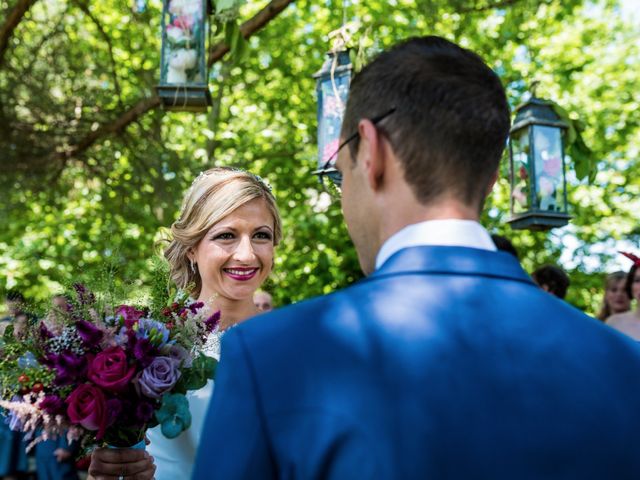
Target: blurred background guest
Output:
{"points": [[629, 322], [13, 457], [504, 244], [55, 460], [552, 279], [263, 300], [615, 298]]}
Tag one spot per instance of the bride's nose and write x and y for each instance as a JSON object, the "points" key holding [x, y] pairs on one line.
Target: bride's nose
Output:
{"points": [[244, 252]]}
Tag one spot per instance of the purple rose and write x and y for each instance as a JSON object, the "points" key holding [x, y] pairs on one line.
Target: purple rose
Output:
{"points": [[179, 354], [90, 334], [159, 377]]}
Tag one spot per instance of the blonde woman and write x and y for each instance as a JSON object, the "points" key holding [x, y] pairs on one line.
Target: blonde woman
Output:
{"points": [[629, 322], [615, 298], [221, 250]]}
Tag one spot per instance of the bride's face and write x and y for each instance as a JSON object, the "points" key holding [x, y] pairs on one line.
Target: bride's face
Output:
{"points": [[235, 256]]}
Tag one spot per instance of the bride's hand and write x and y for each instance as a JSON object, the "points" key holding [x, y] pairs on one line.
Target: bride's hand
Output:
{"points": [[109, 463]]}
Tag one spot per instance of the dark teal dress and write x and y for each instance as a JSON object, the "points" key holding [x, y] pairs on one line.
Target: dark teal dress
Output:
{"points": [[48, 467], [13, 455]]}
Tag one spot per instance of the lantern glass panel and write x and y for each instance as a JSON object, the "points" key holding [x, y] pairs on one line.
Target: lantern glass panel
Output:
{"points": [[548, 169], [332, 96], [183, 61], [521, 178]]}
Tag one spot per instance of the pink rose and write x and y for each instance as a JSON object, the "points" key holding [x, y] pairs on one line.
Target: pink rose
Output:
{"points": [[110, 369], [87, 406]]}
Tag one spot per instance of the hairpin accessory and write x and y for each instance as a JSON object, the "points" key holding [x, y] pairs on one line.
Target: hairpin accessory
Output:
{"points": [[634, 258]]}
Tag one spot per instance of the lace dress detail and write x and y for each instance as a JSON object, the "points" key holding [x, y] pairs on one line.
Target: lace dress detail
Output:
{"points": [[174, 458], [211, 347]]}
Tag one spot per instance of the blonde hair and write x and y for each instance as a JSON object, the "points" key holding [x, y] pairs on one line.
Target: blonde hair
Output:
{"points": [[213, 195], [613, 278]]}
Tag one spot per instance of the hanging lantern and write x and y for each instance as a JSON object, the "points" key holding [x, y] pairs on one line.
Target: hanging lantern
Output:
{"points": [[332, 88], [538, 178], [183, 65]]}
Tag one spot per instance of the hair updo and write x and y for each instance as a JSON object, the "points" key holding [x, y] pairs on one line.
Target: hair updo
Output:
{"points": [[213, 195]]}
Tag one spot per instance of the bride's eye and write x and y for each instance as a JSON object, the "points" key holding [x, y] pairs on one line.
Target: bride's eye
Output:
{"points": [[224, 236], [263, 235]]}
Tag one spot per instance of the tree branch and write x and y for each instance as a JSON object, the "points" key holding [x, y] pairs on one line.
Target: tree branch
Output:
{"points": [[13, 20], [216, 52], [251, 26]]}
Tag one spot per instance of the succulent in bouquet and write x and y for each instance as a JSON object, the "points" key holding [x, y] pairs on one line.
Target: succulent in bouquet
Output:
{"points": [[104, 379]]}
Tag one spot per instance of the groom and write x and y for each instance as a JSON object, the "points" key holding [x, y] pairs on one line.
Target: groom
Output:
{"points": [[446, 361]]}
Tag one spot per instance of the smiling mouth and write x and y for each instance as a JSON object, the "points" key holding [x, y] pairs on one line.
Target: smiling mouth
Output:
{"points": [[241, 274]]}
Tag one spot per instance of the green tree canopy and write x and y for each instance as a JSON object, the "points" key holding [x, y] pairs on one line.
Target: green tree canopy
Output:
{"points": [[93, 169]]}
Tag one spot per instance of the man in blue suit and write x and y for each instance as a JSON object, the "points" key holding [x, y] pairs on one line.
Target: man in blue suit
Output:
{"points": [[446, 361]]}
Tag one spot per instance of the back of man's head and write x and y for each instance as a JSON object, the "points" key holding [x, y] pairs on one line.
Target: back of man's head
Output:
{"points": [[451, 116], [552, 279]]}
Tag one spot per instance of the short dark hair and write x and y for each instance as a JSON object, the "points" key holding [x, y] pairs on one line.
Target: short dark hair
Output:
{"points": [[629, 282], [451, 118], [504, 244], [556, 280]]}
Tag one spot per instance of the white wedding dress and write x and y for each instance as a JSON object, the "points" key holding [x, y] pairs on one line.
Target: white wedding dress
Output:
{"points": [[174, 458]]}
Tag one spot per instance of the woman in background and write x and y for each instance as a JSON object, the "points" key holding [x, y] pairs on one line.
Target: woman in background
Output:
{"points": [[629, 322], [615, 298]]}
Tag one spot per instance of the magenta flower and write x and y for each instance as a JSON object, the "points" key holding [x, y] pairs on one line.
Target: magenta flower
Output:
{"points": [[52, 404], [90, 334], [212, 322], [111, 370], [130, 315], [87, 406]]}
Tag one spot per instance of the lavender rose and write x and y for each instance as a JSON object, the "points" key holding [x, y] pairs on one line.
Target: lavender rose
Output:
{"points": [[159, 377]]}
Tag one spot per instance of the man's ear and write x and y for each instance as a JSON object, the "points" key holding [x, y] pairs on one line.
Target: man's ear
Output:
{"points": [[371, 153]]}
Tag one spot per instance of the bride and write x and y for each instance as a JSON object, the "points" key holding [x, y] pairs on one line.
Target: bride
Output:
{"points": [[221, 249]]}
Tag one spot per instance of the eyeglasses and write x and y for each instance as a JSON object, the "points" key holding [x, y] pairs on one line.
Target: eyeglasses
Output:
{"points": [[329, 170]]}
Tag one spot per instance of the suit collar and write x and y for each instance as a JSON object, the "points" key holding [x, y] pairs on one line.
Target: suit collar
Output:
{"points": [[453, 261]]}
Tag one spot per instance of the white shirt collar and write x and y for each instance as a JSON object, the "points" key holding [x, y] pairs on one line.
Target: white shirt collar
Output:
{"points": [[450, 232]]}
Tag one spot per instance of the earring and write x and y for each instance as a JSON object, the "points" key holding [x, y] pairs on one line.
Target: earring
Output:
{"points": [[193, 266]]}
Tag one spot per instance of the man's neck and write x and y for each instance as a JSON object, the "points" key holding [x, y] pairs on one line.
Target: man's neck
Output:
{"points": [[442, 210]]}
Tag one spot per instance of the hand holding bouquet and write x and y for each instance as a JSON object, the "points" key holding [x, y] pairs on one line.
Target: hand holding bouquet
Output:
{"points": [[104, 379]]}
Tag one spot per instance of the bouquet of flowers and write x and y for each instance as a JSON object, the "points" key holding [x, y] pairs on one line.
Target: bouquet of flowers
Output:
{"points": [[102, 378]]}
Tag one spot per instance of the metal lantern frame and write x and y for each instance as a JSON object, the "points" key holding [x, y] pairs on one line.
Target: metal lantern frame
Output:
{"points": [[335, 78], [187, 95], [536, 113]]}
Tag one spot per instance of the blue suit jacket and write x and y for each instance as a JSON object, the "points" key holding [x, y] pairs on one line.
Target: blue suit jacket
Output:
{"points": [[447, 362]]}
